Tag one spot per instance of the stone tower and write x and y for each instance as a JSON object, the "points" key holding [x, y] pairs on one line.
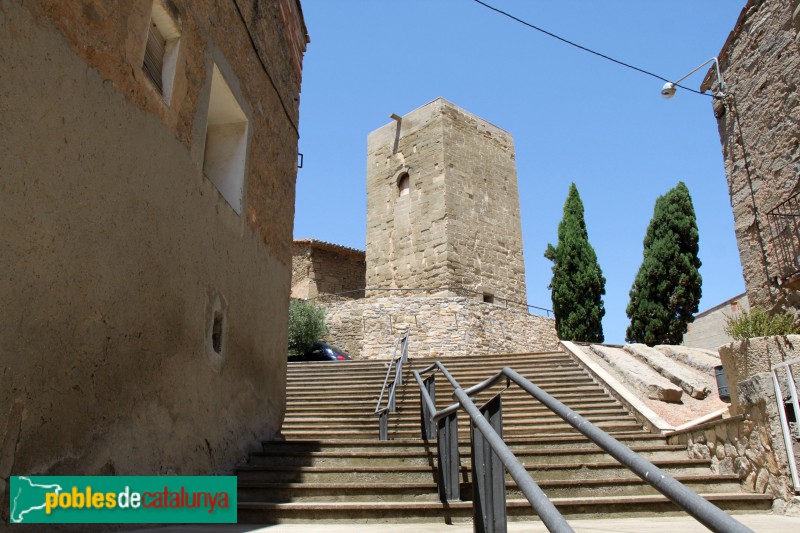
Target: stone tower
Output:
{"points": [[443, 206]]}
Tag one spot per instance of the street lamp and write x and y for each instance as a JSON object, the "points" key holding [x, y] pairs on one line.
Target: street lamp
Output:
{"points": [[669, 88]]}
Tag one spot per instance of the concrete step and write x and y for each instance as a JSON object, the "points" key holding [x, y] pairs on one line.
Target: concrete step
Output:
{"points": [[459, 372], [367, 408], [426, 511], [564, 476], [406, 418], [411, 419], [420, 456], [563, 392], [320, 431], [546, 442]]}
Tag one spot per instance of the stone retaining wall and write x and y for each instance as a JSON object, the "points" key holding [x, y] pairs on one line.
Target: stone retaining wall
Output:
{"points": [[749, 445], [441, 327], [747, 358]]}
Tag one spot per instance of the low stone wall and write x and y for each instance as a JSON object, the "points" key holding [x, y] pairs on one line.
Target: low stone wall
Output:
{"points": [[744, 359], [749, 445], [441, 327]]}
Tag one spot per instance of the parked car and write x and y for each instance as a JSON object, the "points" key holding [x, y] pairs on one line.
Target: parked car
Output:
{"points": [[321, 352]]}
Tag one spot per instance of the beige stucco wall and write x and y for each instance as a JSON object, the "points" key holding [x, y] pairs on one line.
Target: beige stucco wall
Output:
{"points": [[760, 64], [440, 327], [116, 247], [708, 329], [459, 225]]}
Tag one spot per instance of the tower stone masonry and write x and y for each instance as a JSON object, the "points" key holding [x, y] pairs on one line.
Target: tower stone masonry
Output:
{"points": [[443, 206]]}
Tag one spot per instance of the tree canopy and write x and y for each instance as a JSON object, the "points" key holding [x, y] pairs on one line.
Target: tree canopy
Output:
{"points": [[667, 289], [578, 284]]}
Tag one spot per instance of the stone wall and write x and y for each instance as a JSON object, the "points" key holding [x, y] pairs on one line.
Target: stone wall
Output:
{"points": [[320, 268], [459, 223], [708, 329], [747, 358], [440, 327], [760, 64], [749, 445], [120, 256]]}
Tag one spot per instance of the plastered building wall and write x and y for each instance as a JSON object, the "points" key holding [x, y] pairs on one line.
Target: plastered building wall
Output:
{"points": [[708, 329], [119, 254], [458, 225], [760, 64]]}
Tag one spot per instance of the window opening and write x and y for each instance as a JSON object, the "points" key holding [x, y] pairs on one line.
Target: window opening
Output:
{"points": [[161, 50], [403, 184], [226, 142]]}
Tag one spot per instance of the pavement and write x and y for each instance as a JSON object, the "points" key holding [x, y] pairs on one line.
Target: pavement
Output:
{"points": [[760, 523]]}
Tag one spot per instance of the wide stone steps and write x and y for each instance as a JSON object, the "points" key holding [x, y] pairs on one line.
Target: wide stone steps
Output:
{"points": [[409, 456], [520, 509], [332, 467], [601, 472]]}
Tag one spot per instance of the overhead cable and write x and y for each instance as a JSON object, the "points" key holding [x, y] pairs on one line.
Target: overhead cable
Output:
{"points": [[576, 45]]}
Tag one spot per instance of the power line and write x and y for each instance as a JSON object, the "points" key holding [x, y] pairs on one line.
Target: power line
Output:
{"points": [[576, 45]]}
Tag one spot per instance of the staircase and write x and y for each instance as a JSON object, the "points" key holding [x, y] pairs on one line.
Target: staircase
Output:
{"points": [[333, 468]]}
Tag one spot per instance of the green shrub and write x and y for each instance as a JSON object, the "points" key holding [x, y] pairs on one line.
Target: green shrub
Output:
{"points": [[759, 323], [306, 325]]}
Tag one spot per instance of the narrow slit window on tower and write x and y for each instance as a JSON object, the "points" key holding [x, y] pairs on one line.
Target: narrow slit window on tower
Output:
{"points": [[226, 142], [161, 50], [403, 184], [488, 298]]}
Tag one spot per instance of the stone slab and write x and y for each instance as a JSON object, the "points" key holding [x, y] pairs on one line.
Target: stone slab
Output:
{"points": [[697, 358], [640, 375], [689, 380]]}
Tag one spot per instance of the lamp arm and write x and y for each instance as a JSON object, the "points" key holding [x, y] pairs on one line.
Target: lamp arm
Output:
{"points": [[716, 64]]}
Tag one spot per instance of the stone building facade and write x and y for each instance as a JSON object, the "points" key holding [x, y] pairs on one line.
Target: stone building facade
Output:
{"points": [[759, 125], [443, 205], [321, 268], [444, 245], [149, 158]]}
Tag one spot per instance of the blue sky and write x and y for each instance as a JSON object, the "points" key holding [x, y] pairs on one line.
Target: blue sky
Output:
{"points": [[574, 117]]}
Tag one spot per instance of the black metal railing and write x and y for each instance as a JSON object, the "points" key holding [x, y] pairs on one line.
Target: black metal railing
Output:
{"points": [[397, 362], [784, 234], [490, 455]]}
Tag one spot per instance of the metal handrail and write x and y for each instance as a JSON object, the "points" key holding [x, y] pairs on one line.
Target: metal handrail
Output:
{"points": [[701, 509], [396, 362], [791, 384]]}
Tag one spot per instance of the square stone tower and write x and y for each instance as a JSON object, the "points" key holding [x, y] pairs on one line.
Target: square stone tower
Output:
{"points": [[443, 206]]}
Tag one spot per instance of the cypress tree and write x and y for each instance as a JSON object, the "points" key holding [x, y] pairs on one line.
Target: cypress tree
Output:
{"points": [[667, 289], [578, 284]]}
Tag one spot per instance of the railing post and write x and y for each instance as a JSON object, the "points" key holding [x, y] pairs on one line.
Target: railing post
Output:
{"points": [[392, 404], [428, 427], [383, 426], [449, 461], [488, 474]]}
